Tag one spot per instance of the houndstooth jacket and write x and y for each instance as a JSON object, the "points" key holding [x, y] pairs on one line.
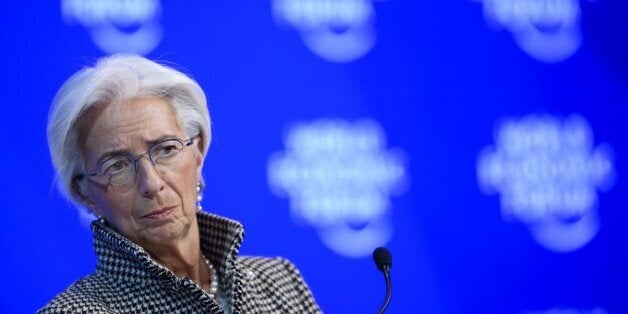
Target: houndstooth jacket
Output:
{"points": [[128, 280]]}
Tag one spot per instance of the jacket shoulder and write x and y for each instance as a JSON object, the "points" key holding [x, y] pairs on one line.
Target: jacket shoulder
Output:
{"points": [[83, 296], [279, 280], [271, 268]]}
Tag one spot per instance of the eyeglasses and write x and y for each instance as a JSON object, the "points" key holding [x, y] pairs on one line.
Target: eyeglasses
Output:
{"points": [[121, 169]]}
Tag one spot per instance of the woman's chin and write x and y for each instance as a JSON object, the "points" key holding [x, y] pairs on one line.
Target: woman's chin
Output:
{"points": [[164, 232]]}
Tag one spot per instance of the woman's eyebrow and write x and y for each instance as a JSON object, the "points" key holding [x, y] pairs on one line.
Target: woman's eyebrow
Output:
{"points": [[118, 152], [163, 138], [110, 154]]}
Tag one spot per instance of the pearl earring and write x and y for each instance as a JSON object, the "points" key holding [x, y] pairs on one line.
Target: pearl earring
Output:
{"points": [[199, 197]]}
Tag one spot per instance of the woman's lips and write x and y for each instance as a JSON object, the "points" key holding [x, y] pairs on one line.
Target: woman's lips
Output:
{"points": [[160, 214]]}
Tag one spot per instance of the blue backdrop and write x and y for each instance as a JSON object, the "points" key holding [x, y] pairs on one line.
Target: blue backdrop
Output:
{"points": [[481, 141]]}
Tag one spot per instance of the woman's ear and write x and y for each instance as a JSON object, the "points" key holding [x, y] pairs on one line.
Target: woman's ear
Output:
{"points": [[199, 156], [79, 190], [199, 143]]}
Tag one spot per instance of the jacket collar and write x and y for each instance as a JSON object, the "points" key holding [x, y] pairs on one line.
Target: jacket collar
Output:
{"points": [[120, 257]]}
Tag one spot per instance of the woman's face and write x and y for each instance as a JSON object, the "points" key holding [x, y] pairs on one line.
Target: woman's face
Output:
{"points": [[160, 206]]}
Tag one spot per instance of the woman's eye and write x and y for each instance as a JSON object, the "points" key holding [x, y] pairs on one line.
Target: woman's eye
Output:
{"points": [[167, 150], [116, 166]]}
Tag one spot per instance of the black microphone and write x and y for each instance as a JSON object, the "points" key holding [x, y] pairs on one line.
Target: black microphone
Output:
{"points": [[383, 261]]}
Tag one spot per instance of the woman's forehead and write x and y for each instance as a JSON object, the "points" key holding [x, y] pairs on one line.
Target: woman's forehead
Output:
{"points": [[131, 125]]}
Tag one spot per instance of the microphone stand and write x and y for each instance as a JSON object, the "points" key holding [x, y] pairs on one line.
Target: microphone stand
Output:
{"points": [[386, 272], [383, 261]]}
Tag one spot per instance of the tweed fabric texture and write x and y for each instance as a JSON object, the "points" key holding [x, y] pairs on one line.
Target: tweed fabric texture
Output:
{"points": [[128, 280]]}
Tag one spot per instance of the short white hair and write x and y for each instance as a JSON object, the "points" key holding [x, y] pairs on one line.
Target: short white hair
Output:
{"points": [[113, 80]]}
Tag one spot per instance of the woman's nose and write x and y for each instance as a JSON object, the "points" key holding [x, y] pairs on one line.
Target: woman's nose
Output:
{"points": [[149, 180]]}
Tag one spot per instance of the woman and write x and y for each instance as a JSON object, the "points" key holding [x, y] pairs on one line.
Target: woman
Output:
{"points": [[128, 138]]}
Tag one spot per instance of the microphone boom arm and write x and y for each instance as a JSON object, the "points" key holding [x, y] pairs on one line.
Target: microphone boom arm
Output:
{"points": [[383, 261]]}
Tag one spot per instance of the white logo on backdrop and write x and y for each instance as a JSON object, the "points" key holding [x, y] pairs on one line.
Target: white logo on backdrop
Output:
{"points": [[117, 25], [339, 177], [335, 30], [597, 310], [547, 30], [548, 173]]}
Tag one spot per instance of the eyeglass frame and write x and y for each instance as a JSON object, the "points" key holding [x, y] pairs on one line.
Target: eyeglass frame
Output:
{"points": [[135, 158]]}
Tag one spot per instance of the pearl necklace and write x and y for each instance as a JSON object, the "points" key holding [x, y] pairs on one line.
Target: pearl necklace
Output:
{"points": [[213, 283]]}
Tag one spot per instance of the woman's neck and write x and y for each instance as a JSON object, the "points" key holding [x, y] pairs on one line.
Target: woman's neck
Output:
{"points": [[183, 257]]}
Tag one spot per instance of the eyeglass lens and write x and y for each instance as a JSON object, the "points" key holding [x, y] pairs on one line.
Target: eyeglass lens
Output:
{"points": [[122, 169]]}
